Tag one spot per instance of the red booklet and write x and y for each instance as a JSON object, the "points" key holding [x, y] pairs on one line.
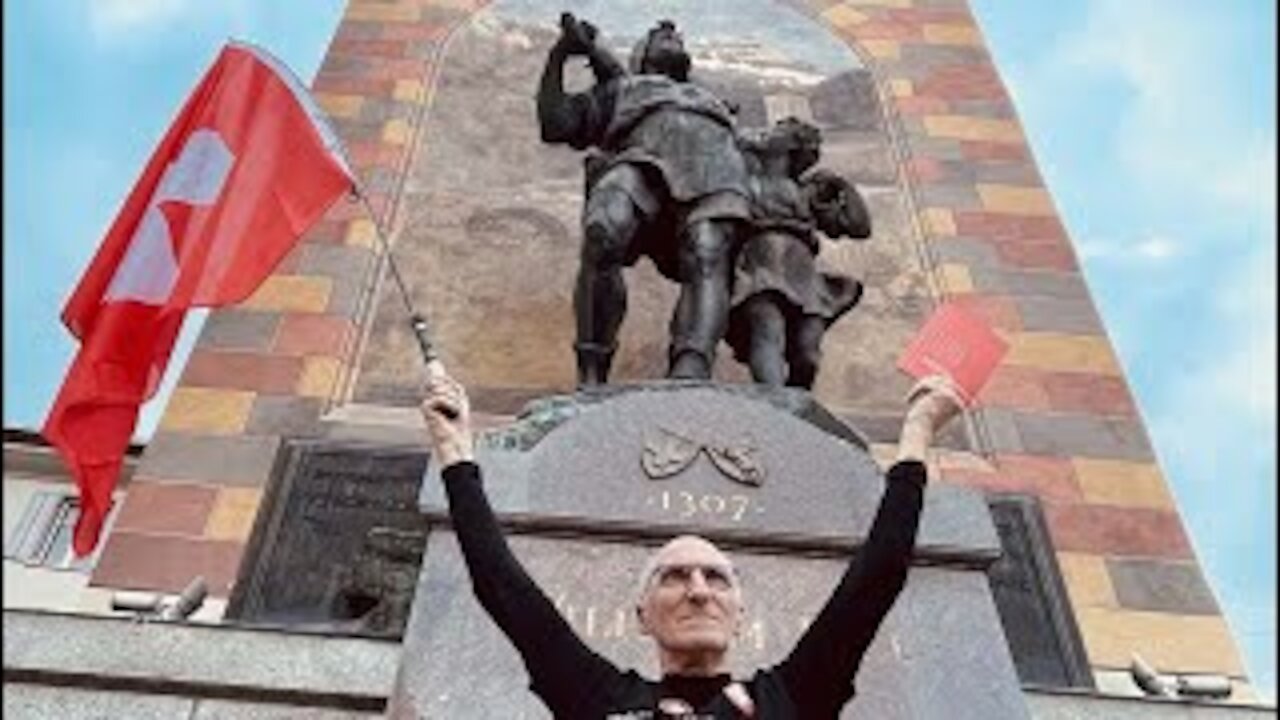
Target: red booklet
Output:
{"points": [[955, 343]]}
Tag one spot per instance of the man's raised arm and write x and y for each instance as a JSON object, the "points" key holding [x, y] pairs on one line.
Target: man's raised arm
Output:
{"points": [[820, 670], [573, 118], [563, 669]]}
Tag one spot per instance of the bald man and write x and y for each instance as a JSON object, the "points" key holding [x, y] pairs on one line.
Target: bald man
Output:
{"points": [[690, 601]]}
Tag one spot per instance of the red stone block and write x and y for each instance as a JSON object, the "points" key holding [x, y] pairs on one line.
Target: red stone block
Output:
{"points": [[999, 312], [916, 105], [166, 563], [382, 48], [312, 335], [414, 31], [1109, 530], [962, 82], [924, 169], [404, 69], [1014, 387], [374, 153], [1049, 479], [1003, 226], [1085, 392], [882, 30], [1038, 255], [352, 84], [921, 16], [326, 232], [242, 371], [979, 150], [171, 508]]}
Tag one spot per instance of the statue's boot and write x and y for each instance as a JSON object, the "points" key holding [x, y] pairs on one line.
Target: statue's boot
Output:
{"points": [[689, 363], [594, 361]]}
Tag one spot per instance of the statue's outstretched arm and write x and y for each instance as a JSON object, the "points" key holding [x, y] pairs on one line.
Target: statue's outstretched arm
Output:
{"points": [[837, 206]]}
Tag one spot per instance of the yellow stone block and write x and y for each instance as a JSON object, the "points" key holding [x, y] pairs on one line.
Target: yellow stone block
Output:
{"points": [[952, 34], [396, 132], [843, 17], [233, 513], [409, 91], [901, 87], [1087, 580], [1118, 482], [880, 3], [361, 232], [965, 127], [340, 105], [208, 410], [1171, 643], [1016, 200], [319, 376], [1056, 351], [881, 49], [291, 293], [955, 278], [940, 222], [402, 12]]}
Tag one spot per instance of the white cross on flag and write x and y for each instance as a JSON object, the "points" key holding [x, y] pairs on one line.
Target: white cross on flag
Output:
{"points": [[248, 165]]}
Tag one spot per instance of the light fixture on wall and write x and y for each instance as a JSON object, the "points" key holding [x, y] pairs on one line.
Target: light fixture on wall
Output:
{"points": [[147, 606], [1203, 687]]}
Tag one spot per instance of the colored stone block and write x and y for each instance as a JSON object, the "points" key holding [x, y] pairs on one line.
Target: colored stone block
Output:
{"points": [[362, 232], [241, 371], [342, 106], [952, 34], [396, 132], [242, 460], [963, 127], [1126, 484], [319, 377], [412, 91], [901, 88], [1103, 530], [939, 222], [1073, 434], [166, 507], [1036, 283], [1015, 387], [1057, 351], [880, 49], [231, 329], [1088, 393], [166, 563], [1170, 643], [383, 12], [206, 410], [1087, 580], [285, 415], [1058, 315], [291, 293], [233, 513], [1016, 200], [955, 278], [1161, 586], [1001, 313], [313, 335]]}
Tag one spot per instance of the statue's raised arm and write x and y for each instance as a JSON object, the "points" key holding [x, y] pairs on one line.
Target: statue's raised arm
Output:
{"points": [[573, 118]]}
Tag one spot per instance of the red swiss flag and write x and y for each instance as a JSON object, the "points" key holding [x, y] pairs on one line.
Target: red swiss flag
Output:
{"points": [[248, 165]]}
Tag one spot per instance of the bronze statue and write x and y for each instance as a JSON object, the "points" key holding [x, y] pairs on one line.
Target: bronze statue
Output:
{"points": [[781, 304], [667, 181]]}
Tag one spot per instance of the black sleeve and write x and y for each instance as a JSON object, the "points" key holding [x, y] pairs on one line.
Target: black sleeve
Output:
{"points": [[564, 672], [819, 671]]}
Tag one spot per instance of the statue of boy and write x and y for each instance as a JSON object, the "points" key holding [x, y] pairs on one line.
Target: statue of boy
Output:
{"points": [[781, 304], [669, 183]]}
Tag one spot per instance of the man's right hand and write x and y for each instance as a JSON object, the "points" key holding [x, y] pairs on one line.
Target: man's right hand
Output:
{"points": [[448, 418]]}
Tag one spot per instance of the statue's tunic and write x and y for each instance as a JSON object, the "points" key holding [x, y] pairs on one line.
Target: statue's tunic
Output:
{"points": [[675, 132]]}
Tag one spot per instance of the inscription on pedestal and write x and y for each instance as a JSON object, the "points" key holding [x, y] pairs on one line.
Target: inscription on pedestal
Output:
{"points": [[338, 543]]}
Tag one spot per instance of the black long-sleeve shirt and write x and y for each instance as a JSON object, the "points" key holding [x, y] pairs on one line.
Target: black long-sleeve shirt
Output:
{"points": [[814, 681]]}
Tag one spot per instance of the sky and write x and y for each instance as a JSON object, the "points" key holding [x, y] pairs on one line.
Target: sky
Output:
{"points": [[1152, 121]]}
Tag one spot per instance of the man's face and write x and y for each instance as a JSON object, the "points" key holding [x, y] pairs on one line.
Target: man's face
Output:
{"points": [[692, 603], [664, 52]]}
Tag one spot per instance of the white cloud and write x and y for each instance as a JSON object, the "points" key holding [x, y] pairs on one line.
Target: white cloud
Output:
{"points": [[114, 18]]}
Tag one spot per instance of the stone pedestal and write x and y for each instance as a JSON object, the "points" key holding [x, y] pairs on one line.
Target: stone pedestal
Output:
{"points": [[588, 484]]}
